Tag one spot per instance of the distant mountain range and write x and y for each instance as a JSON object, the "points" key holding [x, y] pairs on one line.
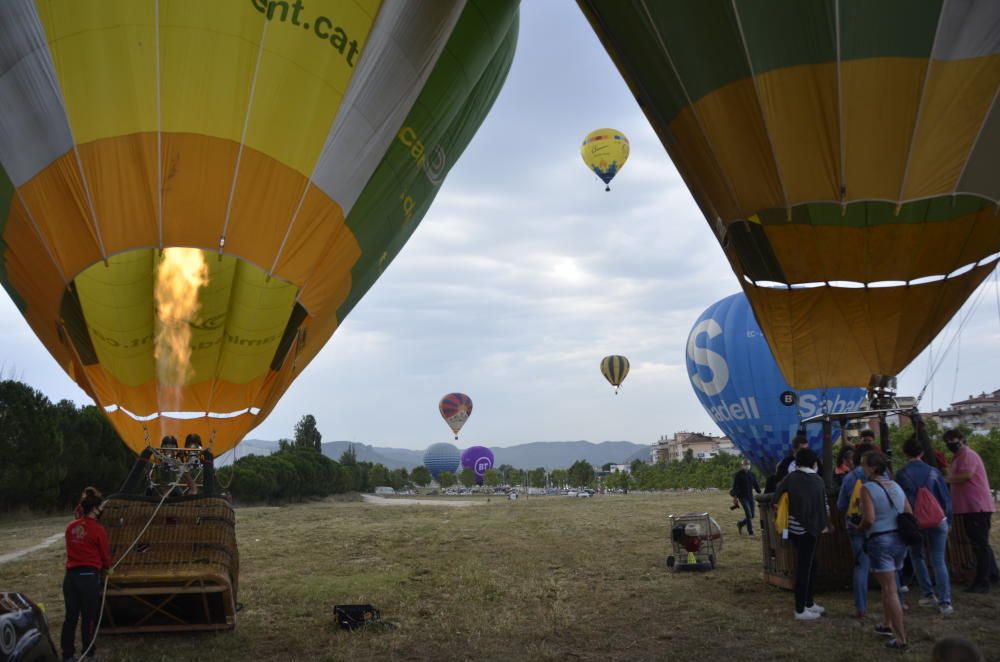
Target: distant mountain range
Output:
{"points": [[548, 454]]}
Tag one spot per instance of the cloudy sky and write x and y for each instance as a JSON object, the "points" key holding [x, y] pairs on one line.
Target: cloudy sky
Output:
{"points": [[525, 273]]}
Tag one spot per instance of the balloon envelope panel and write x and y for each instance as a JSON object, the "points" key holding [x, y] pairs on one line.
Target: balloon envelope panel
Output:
{"points": [[479, 459], [442, 457], [737, 381]]}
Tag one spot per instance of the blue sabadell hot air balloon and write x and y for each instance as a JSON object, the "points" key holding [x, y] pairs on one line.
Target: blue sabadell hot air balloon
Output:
{"points": [[738, 382]]}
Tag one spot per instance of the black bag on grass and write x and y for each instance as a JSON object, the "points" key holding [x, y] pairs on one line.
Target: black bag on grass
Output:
{"points": [[353, 617]]}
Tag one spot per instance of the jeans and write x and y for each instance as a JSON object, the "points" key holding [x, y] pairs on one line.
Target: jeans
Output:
{"points": [[861, 567], [977, 528], [936, 540], [886, 553], [805, 570], [748, 507], [82, 594]]}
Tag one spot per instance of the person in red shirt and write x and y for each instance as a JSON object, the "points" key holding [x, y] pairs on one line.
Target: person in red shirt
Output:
{"points": [[87, 555], [972, 502]]}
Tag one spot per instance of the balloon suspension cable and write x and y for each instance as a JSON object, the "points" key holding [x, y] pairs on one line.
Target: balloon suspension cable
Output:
{"points": [[996, 290], [947, 349]]}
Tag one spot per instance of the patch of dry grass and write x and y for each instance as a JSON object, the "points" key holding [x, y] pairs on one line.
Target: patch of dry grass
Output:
{"points": [[547, 578]]}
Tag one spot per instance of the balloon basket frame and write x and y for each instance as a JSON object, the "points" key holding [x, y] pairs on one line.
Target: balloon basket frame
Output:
{"points": [[835, 560], [181, 575]]}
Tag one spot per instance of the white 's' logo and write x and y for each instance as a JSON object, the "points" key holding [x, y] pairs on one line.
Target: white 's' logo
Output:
{"points": [[702, 356]]}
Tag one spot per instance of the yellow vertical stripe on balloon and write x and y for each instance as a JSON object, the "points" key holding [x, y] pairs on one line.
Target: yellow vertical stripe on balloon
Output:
{"points": [[694, 154], [880, 97], [956, 101], [210, 63], [117, 303], [740, 145], [259, 309], [208, 52], [303, 77], [104, 53], [799, 106], [209, 326]]}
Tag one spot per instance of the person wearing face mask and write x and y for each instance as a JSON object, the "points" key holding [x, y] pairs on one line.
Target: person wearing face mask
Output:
{"points": [[744, 486], [972, 502]]}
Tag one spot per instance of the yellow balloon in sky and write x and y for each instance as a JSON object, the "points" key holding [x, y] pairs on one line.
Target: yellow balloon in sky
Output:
{"points": [[605, 152]]}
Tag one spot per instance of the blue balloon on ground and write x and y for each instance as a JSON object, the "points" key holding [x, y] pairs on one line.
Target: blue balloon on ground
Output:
{"points": [[479, 459], [739, 384], [439, 458]]}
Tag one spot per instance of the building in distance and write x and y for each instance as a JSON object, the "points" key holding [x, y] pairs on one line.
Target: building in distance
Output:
{"points": [[980, 413], [702, 446]]}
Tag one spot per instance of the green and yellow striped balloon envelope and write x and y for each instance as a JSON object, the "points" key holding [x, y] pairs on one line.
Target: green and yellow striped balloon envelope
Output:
{"points": [[615, 370], [844, 152], [298, 145]]}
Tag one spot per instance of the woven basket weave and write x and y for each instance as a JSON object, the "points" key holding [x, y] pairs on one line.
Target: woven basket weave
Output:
{"points": [[188, 552]]}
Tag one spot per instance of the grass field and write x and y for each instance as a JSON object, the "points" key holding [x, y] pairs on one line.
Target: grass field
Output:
{"points": [[545, 578]]}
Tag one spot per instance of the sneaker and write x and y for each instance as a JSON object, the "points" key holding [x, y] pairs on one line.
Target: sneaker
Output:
{"points": [[928, 601], [947, 610], [815, 608], [896, 644], [806, 615], [904, 589], [883, 630]]}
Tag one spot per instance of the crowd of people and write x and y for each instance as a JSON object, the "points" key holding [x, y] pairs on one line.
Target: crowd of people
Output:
{"points": [[892, 518]]}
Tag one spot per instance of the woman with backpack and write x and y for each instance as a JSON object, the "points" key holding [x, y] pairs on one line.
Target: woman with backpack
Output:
{"points": [[928, 494], [882, 502]]}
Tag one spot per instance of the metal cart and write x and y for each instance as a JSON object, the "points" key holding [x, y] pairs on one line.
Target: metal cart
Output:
{"points": [[696, 541]]}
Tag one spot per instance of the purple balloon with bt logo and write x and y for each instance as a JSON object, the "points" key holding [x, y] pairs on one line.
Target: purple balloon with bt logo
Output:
{"points": [[479, 459]]}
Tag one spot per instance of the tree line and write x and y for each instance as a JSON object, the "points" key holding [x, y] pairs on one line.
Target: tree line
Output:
{"points": [[50, 451], [299, 470]]}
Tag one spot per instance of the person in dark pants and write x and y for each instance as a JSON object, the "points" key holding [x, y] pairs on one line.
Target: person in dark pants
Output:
{"points": [[972, 502], [807, 519], [744, 486], [87, 555]]}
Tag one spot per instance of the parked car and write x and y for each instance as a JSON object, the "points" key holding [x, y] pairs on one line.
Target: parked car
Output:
{"points": [[583, 494]]}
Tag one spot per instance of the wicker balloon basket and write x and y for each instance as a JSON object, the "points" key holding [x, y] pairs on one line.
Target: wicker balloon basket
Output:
{"points": [[182, 573], [834, 556]]}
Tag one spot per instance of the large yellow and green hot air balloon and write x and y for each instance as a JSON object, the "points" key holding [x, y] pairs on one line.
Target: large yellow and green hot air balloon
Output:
{"points": [[296, 145], [844, 152], [605, 151]]}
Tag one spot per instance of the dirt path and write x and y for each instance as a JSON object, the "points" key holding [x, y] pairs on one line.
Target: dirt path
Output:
{"points": [[48, 542], [380, 501]]}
